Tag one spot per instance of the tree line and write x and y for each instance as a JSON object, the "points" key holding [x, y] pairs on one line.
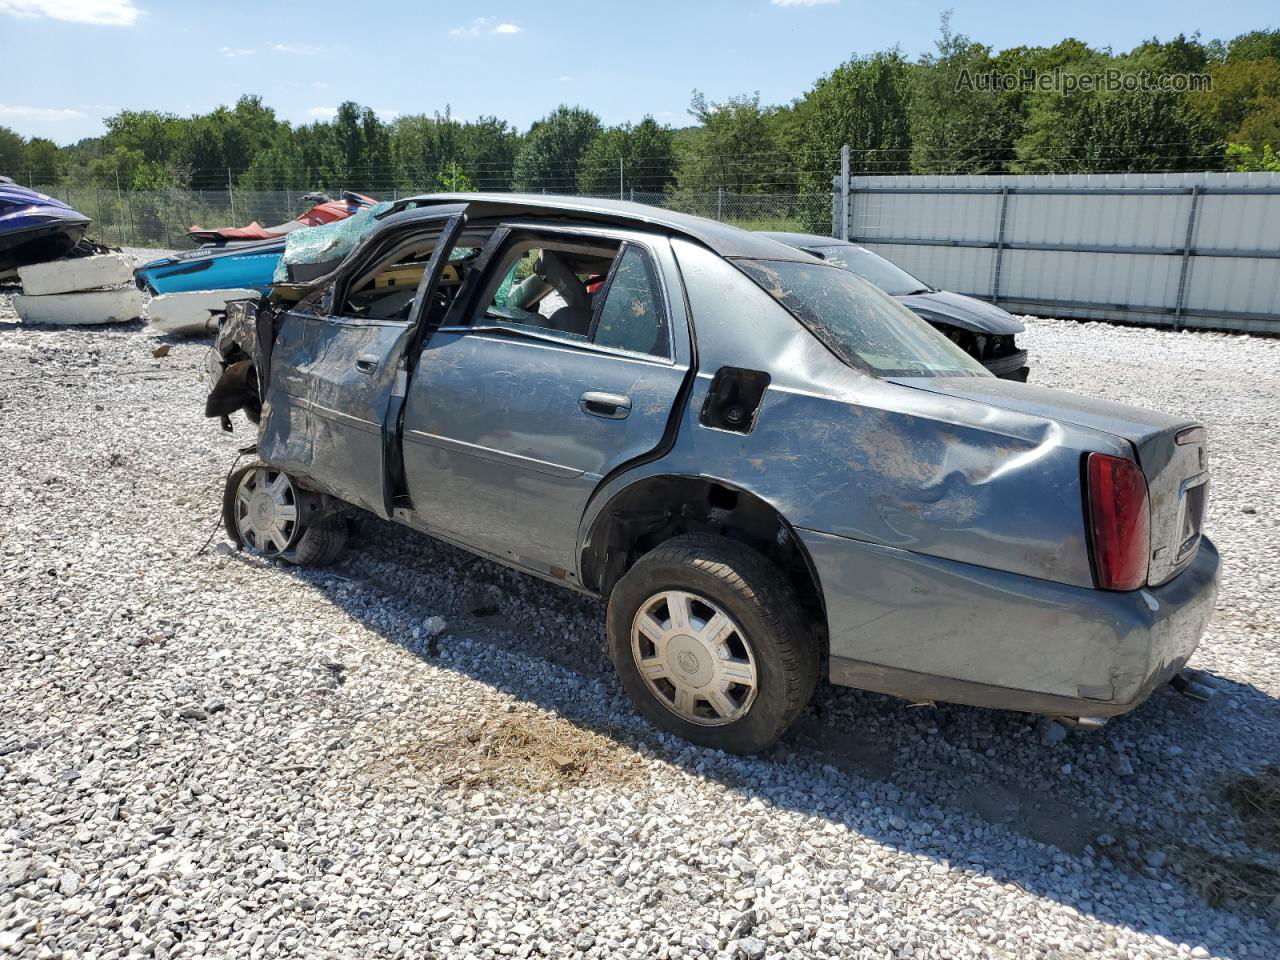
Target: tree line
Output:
{"points": [[926, 115]]}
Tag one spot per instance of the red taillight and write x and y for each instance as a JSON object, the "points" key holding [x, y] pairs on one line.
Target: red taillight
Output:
{"points": [[1120, 519]]}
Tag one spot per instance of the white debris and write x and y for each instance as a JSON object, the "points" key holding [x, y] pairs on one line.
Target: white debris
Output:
{"points": [[75, 273], [118, 305], [189, 313]]}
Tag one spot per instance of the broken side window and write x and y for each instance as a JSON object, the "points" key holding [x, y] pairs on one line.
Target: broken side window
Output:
{"points": [[631, 317]]}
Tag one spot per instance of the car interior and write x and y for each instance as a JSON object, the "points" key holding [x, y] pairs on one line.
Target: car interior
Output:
{"points": [[551, 286], [388, 292]]}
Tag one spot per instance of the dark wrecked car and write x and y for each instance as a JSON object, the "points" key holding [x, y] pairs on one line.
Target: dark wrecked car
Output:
{"points": [[982, 330], [766, 466]]}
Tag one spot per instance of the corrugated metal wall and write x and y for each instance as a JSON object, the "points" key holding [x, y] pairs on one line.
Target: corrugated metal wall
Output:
{"points": [[1180, 250]]}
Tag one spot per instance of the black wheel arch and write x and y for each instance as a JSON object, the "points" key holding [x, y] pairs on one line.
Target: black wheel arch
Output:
{"points": [[655, 508]]}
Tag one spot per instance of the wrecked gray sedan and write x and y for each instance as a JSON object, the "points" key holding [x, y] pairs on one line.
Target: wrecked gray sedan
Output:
{"points": [[768, 468]]}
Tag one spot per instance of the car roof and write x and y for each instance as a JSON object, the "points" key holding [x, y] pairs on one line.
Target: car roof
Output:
{"points": [[808, 240], [725, 239]]}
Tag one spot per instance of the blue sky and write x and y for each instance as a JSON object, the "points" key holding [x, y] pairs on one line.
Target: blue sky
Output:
{"points": [[69, 63]]}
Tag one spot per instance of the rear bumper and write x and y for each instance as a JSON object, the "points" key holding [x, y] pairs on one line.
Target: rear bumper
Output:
{"points": [[927, 629]]}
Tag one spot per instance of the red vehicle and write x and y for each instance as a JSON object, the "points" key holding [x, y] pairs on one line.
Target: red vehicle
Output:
{"points": [[325, 210]]}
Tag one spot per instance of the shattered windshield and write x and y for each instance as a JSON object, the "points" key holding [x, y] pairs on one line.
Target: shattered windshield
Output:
{"points": [[889, 277], [866, 328]]}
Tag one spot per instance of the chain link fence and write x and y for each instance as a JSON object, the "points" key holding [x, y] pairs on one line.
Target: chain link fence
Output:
{"points": [[161, 218]]}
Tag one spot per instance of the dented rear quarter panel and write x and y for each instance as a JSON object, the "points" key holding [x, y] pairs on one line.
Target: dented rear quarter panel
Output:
{"points": [[840, 452], [947, 534]]}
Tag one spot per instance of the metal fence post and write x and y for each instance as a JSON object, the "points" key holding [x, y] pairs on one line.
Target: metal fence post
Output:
{"points": [[719, 203], [999, 261], [119, 207], [844, 192], [1186, 257], [231, 197]]}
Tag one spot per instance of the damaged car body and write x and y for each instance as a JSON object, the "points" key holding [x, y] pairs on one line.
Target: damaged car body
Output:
{"points": [[765, 465]]}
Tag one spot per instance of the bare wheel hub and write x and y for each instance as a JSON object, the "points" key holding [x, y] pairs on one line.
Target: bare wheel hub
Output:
{"points": [[266, 510], [694, 658]]}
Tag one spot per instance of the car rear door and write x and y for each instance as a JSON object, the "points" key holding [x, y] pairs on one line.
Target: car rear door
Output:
{"points": [[334, 373], [507, 432]]}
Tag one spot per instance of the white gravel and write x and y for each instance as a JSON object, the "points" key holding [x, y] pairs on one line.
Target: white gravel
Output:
{"points": [[421, 754]]}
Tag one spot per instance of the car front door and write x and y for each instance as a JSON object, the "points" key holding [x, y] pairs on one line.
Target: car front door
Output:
{"points": [[336, 364], [512, 420]]}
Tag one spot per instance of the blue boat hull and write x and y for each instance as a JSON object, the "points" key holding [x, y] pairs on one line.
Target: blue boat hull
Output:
{"points": [[250, 266]]}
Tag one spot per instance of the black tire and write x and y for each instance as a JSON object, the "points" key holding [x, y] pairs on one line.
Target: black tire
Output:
{"points": [[752, 591], [317, 543], [321, 543]]}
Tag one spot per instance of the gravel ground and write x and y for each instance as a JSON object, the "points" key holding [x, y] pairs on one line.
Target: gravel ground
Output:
{"points": [[421, 754]]}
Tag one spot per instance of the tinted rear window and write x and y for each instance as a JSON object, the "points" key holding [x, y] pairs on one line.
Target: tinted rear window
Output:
{"points": [[860, 324]]}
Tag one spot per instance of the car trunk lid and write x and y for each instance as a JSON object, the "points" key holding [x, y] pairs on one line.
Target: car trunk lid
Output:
{"points": [[1171, 451]]}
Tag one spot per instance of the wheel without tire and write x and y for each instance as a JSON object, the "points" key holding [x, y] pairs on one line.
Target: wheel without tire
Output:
{"points": [[262, 513], [710, 643]]}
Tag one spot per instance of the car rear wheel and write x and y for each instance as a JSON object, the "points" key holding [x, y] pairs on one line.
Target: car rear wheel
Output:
{"points": [[264, 513], [711, 644]]}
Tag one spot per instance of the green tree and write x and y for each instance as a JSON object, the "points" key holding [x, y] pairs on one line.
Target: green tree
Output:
{"points": [[626, 157], [1244, 157], [12, 154], [117, 168], [452, 179], [488, 147], [956, 126], [1123, 132], [42, 160], [362, 144], [1255, 45], [864, 103], [1182, 54], [421, 147], [550, 156], [734, 150], [280, 167], [1244, 104], [428, 150]]}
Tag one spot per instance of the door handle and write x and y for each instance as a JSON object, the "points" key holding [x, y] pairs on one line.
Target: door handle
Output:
{"points": [[367, 362], [612, 406]]}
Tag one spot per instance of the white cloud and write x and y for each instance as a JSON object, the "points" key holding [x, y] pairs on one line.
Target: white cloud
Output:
{"points": [[12, 111], [484, 25], [565, 79], [236, 51], [103, 13], [302, 49], [803, 3]]}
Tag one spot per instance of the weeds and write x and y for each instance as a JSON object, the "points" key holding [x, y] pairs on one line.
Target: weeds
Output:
{"points": [[1256, 800]]}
